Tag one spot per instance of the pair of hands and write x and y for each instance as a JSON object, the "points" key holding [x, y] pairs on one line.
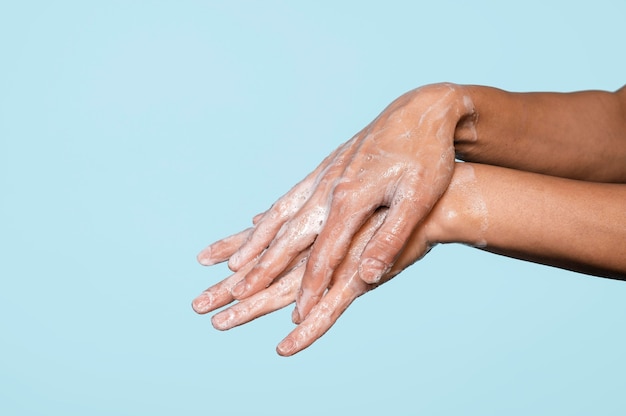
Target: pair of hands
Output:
{"points": [[352, 224]]}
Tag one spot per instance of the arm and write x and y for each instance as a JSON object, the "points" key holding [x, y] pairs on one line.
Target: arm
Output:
{"points": [[562, 222], [579, 135], [402, 161], [565, 223]]}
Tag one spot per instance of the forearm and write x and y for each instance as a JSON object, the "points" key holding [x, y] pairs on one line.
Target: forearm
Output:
{"points": [[580, 135], [566, 223]]}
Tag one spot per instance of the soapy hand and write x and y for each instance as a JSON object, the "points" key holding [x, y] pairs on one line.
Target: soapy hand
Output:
{"points": [[402, 161], [344, 288]]}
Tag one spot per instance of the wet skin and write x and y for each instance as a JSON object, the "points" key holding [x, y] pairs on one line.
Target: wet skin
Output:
{"points": [[367, 211]]}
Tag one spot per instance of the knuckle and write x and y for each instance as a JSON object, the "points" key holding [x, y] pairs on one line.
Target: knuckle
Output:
{"points": [[280, 208], [301, 229], [344, 192], [385, 246]]}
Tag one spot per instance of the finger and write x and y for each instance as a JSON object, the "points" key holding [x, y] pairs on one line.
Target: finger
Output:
{"points": [[268, 225], [416, 247], [221, 250], [219, 294], [296, 236], [385, 246], [270, 222], [280, 294], [324, 314], [346, 287], [257, 218], [345, 218], [286, 207], [326, 259]]}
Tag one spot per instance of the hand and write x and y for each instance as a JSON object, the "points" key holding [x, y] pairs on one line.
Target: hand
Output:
{"points": [[403, 160], [345, 287]]}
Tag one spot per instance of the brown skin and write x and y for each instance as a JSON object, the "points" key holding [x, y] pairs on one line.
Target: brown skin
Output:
{"points": [[579, 135], [530, 211], [572, 224]]}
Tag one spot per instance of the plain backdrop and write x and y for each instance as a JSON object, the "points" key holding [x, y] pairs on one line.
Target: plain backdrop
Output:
{"points": [[133, 133]]}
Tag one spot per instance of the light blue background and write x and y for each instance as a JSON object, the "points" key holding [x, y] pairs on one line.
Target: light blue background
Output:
{"points": [[134, 133]]}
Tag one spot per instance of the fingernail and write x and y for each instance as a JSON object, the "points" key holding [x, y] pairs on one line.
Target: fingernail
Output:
{"points": [[286, 347], [233, 262], [222, 320], [204, 257], [202, 303], [239, 289], [372, 270]]}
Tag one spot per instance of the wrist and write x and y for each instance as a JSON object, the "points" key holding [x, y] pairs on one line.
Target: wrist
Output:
{"points": [[432, 106], [460, 215], [455, 100]]}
